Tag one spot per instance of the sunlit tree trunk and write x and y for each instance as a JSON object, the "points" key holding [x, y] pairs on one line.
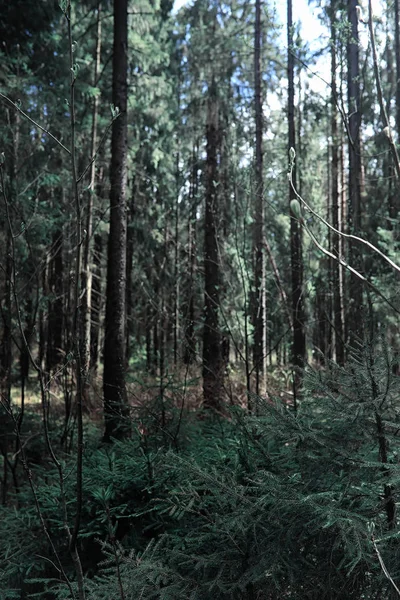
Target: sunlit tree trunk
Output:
{"points": [[88, 242]]}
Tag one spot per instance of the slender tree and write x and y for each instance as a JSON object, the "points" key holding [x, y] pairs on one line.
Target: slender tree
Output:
{"points": [[212, 360], [299, 338], [258, 233], [354, 326], [114, 388], [88, 242], [397, 54], [190, 336], [96, 302], [335, 203], [56, 304]]}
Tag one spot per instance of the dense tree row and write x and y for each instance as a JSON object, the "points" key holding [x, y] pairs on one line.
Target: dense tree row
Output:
{"points": [[198, 93], [179, 203]]}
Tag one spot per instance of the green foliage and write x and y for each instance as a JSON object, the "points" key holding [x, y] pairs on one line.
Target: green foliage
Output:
{"points": [[273, 505], [263, 506]]}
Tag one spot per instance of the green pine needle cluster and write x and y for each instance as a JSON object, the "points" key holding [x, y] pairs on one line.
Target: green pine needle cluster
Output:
{"points": [[263, 506]]}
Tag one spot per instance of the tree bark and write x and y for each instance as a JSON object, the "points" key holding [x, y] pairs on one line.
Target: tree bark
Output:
{"points": [[259, 349], [87, 279], [397, 54], [190, 337], [354, 197], [335, 266], [130, 246], [96, 302], [212, 360], [296, 254], [54, 354], [114, 387]]}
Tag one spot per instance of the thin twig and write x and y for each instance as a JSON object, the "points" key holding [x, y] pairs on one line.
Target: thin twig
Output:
{"points": [[338, 258], [337, 231], [26, 116], [383, 566], [28, 472]]}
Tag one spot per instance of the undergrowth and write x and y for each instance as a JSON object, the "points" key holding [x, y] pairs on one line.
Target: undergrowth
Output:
{"points": [[265, 506]]}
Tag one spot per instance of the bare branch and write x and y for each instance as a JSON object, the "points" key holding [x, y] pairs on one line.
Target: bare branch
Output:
{"points": [[28, 118]]}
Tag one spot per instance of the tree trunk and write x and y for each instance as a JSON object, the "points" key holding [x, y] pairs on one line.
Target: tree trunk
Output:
{"points": [[190, 338], [212, 360], [296, 254], [258, 232], [42, 315], [96, 302], [354, 198], [335, 266], [5, 348], [394, 203], [176, 323], [397, 53], [114, 388], [130, 242], [343, 224], [54, 355], [87, 279], [177, 291]]}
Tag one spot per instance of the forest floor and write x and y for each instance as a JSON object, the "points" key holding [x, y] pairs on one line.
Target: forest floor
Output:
{"points": [[180, 389]]}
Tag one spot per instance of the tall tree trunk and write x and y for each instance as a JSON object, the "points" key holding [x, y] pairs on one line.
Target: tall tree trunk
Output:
{"points": [[212, 361], [148, 315], [130, 246], [156, 331], [343, 222], [296, 254], [176, 323], [42, 315], [394, 202], [397, 53], [88, 242], [56, 304], [190, 337], [259, 349], [5, 347], [114, 388], [354, 197], [6, 302], [335, 266], [177, 292], [96, 302]]}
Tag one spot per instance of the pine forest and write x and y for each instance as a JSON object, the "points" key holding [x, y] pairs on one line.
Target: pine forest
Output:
{"points": [[199, 299]]}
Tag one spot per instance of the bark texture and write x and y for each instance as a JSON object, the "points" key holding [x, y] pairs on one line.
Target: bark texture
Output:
{"points": [[354, 327], [259, 349], [212, 359], [114, 388], [335, 204], [296, 254]]}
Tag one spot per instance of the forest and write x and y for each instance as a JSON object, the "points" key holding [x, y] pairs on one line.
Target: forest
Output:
{"points": [[199, 299]]}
